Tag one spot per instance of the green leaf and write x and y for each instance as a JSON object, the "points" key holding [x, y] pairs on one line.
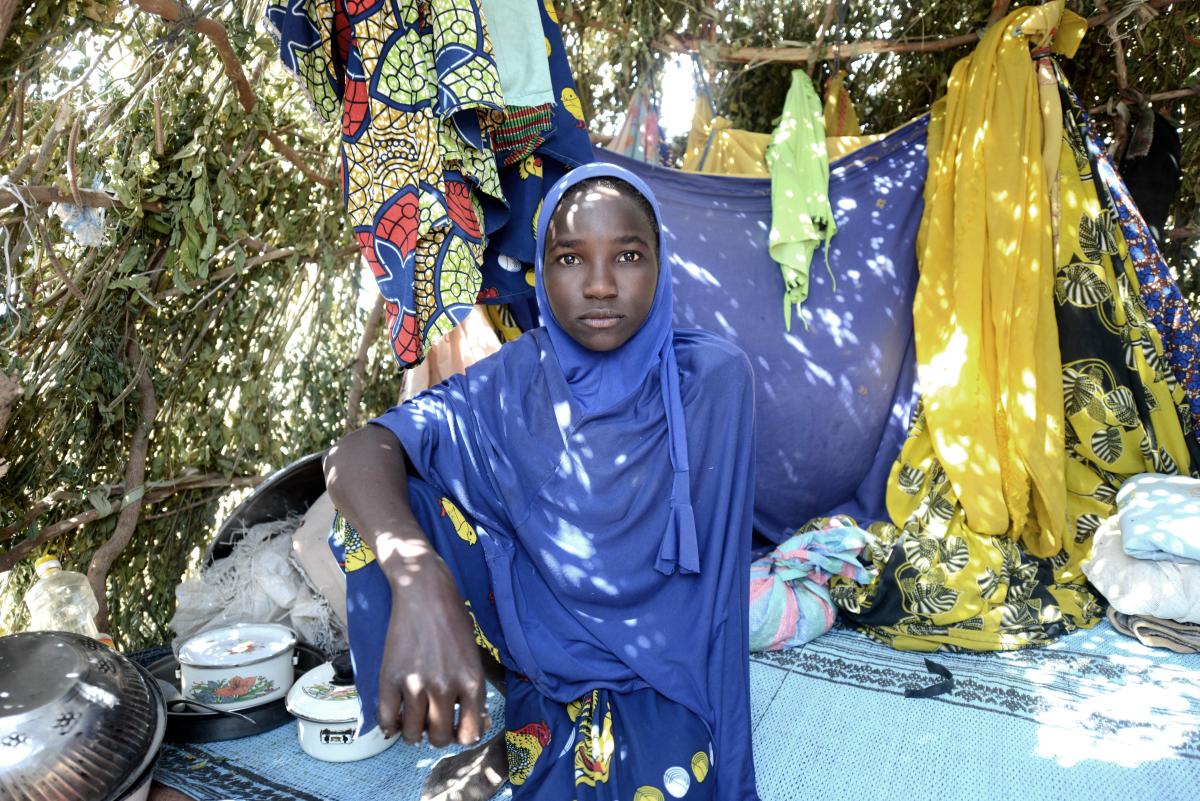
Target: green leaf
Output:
{"points": [[98, 498]]}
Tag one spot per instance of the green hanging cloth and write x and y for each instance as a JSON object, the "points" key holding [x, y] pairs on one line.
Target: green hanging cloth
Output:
{"points": [[801, 217]]}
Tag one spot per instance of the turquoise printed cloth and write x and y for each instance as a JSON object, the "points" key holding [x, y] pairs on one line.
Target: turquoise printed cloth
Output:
{"points": [[789, 595]]}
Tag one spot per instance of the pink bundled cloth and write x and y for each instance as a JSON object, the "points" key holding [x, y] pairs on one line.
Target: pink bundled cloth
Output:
{"points": [[789, 595]]}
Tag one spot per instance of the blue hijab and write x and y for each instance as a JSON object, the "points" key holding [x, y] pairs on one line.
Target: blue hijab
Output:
{"points": [[601, 380], [599, 483]]}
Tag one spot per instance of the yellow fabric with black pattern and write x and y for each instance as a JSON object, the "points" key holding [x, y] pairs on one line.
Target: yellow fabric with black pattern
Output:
{"points": [[942, 583]]}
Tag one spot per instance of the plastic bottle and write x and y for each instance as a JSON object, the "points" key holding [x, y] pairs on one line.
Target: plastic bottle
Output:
{"points": [[62, 600]]}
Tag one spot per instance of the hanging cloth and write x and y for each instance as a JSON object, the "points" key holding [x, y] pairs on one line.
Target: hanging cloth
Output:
{"points": [[715, 147], [801, 218], [840, 116], [987, 346], [943, 582], [639, 136], [417, 94], [515, 29]]}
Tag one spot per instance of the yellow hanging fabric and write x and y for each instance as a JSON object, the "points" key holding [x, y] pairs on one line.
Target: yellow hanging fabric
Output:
{"points": [[840, 116], [986, 337], [940, 579], [714, 146]]}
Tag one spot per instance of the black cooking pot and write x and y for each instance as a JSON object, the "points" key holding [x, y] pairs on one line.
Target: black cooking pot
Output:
{"points": [[288, 491]]}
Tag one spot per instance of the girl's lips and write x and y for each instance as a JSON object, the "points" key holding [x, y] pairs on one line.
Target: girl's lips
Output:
{"points": [[601, 321]]}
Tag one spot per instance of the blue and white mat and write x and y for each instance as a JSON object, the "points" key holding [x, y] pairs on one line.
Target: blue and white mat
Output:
{"points": [[1096, 716]]}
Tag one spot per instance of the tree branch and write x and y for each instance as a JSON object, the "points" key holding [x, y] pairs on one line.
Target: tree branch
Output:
{"points": [[56, 265], [1157, 97], [87, 197], [135, 474], [56, 530], [999, 9], [672, 42], [8, 8], [359, 371], [172, 11], [155, 491], [830, 11], [10, 393], [262, 258]]}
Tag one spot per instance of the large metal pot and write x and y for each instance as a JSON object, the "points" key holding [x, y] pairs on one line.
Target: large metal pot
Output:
{"points": [[78, 721]]}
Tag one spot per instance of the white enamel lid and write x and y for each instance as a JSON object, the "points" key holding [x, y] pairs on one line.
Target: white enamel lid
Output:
{"points": [[315, 697], [236, 646]]}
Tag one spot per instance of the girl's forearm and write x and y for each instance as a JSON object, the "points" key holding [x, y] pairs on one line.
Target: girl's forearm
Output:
{"points": [[365, 473]]}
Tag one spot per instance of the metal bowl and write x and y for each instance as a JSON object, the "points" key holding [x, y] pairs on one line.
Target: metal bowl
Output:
{"points": [[78, 721]]}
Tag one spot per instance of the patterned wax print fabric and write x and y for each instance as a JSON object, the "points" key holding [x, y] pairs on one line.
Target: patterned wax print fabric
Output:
{"points": [[601, 746], [560, 145], [416, 89], [640, 136], [942, 582], [1164, 302]]}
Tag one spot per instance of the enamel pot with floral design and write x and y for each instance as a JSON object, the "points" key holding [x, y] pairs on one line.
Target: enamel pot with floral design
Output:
{"points": [[235, 667], [326, 708]]}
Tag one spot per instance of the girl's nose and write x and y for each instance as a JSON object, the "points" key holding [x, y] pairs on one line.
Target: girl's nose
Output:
{"points": [[600, 283]]}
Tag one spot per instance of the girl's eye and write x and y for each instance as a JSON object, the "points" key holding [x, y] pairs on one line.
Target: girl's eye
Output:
{"points": [[630, 255], [569, 259]]}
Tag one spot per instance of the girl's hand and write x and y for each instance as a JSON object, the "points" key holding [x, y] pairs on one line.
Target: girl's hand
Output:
{"points": [[430, 662]]}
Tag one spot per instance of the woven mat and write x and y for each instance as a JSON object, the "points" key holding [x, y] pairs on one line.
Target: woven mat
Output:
{"points": [[1096, 716]]}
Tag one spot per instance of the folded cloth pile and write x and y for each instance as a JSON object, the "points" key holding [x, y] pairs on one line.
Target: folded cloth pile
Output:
{"points": [[789, 595], [1183, 638], [1160, 517], [1146, 560]]}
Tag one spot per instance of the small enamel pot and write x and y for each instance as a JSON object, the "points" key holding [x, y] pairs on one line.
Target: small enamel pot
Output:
{"points": [[326, 707], [235, 667]]}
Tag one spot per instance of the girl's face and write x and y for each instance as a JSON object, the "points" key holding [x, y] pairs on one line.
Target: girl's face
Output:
{"points": [[601, 266]]}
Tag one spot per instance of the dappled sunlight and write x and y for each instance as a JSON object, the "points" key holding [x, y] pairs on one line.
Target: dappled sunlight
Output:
{"points": [[841, 377], [1144, 714], [945, 367]]}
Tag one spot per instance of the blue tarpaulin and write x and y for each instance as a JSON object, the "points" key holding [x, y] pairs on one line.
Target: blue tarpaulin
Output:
{"points": [[834, 397]]}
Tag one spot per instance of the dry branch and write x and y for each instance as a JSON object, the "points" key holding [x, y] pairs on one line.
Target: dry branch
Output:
{"points": [[10, 393], [999, 9], [267, 255], [830, 12], [155, 491], [8, 8], [56, 265], [87, 197], [1192, 232], [172, 11], [675, 43], [360, 364], [1122, 71], [135, 475], [1157, 97], [56, 530]]}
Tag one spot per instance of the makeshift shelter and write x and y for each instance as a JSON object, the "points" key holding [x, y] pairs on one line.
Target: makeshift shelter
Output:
{"points": [[859, 339]]}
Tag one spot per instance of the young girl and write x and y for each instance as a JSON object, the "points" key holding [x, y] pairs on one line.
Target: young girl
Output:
{"points": [[578, 505]]}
